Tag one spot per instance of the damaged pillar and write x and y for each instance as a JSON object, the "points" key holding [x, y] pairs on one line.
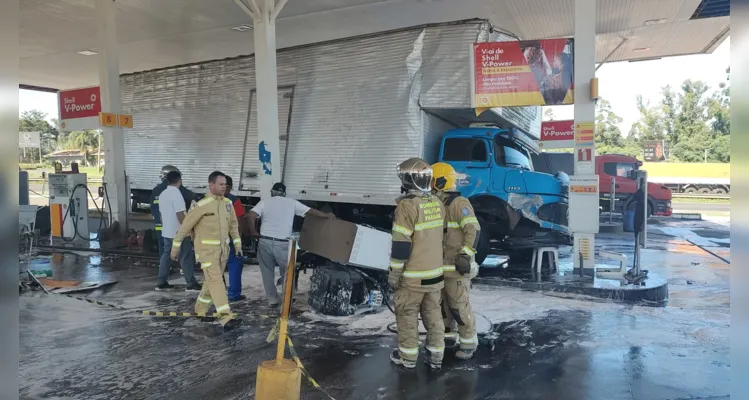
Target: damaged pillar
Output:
{"points": [[584, 183], [109, 82], [264, 13]]}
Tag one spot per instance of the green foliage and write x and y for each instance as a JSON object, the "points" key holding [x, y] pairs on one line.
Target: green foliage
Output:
{"points": [[693, 122], [35, 121]]}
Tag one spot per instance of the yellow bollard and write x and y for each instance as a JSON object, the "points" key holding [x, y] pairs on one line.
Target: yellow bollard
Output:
{"points": [[281, 379]]}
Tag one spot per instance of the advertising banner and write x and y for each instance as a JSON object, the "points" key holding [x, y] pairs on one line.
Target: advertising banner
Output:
{"points": [[654, 150], [79, 109], [522, 73], [29, 140], [557, 135]]}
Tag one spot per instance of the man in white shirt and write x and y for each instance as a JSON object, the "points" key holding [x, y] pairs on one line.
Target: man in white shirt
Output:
{"points": [[172, 209], [277, 215]]}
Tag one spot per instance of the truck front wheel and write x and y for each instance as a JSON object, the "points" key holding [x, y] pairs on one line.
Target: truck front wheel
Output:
{"points": [[484, 242]]}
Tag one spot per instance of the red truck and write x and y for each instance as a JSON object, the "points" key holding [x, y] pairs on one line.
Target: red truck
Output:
{"points": [[610, 166]]}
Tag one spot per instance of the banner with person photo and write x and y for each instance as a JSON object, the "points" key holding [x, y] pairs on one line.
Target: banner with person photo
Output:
{"points": [[522, 73]]}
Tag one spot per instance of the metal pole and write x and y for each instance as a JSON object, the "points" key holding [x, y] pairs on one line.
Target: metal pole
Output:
{"points": [[612, 199], [288, 286]]}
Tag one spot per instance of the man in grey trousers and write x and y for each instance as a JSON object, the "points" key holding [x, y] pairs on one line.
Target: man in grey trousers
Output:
{"points": [[277, 215]]}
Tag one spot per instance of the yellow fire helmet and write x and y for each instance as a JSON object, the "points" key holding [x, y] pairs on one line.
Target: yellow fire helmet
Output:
{"points": [[444, 177]]}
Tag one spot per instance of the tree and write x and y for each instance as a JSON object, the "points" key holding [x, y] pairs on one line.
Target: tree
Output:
{"points": [[549, 114], [608, 136], [692, 121], [35, 121]]}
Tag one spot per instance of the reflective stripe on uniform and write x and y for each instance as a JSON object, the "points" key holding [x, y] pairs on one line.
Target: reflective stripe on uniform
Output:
{"points": [[156, 201], [396, 264], [472, 340], [468, 220], [237, 241], [402, 229], [212, 242], [158, 227], [448, 268], [204, 300], [205, 265], [223, 309], [453, 225], [436, 349], [451, 335], [409, 350], [429, 225], [468, 251], [176, 243], [432, 273]]}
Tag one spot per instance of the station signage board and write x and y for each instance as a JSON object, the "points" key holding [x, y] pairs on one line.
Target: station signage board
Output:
{"points": [[79, 108], [557, 135], [522, 73]]}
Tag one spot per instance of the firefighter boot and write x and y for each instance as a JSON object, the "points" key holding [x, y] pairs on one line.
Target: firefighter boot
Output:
{"points": [[395, 357]]}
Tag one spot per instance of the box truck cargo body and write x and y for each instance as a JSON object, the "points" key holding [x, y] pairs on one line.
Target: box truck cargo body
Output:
{"points": [[349, 111]]}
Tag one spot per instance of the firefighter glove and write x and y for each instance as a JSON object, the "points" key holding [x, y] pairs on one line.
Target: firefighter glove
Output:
{"points": [[463, 264]]}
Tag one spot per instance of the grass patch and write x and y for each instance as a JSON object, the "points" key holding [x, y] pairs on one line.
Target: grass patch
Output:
{"points": [[698, 200]]}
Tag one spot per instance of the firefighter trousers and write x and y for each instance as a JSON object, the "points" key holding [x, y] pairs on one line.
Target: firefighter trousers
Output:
{"points": [[408, 305], [456, 308], [213, 264]]}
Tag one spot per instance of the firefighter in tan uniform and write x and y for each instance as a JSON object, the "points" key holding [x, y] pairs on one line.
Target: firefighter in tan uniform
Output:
{"points": [[416, 266], [215, 228], [462, 231]]}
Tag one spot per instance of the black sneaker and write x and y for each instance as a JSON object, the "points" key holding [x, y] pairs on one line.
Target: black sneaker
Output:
{"points": [[395, 357], [208, 319], [164, 286], [232, 324], [241, 297], [194, 287]]}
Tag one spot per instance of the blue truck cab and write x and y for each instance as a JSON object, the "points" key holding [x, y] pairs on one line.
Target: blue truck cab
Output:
{"points": [[518, 208]]}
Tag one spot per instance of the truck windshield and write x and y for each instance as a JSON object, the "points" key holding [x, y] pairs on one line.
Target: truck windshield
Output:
{"points": [[621, 169], [465, 149], [511, 155]]}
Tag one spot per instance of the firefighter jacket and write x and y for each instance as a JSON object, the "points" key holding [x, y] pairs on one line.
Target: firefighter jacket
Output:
{"points": [[416, 253], [462, 231], [214, 223]]}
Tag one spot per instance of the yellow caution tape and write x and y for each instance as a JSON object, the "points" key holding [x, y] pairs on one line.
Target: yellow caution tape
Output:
{"points": [[304, 370]]}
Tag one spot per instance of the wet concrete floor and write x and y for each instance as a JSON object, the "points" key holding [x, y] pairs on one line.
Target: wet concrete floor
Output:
{"points": [[547, 346]]}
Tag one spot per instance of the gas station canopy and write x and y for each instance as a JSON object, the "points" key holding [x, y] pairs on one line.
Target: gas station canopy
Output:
{"points": [[58, 40]]}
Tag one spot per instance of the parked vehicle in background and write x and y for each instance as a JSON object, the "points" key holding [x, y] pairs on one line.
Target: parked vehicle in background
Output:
{"points": [[610, 167], [691, 178]]}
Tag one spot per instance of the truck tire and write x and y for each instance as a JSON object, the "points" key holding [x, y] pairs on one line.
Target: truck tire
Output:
{"points": [[690, 190], [704, 191], [719, 191], [484, 242]]}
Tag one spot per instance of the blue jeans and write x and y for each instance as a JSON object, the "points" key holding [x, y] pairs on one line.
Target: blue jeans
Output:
{"points": [[234, 265], [186, 260]]}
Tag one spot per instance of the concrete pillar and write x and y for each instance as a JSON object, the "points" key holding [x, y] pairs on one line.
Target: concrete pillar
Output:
{"points": [[584, 227], [109, 81], [264, 17]]}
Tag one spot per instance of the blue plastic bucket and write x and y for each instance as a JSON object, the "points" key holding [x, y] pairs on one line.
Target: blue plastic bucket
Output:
{"points": [[629, 221]]}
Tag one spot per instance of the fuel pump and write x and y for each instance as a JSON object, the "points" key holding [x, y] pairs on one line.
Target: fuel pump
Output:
{"points": [[68, 203]]}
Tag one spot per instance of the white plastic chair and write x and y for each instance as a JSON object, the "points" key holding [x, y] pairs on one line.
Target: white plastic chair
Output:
{"points": [[27, 222], [538, 260]]}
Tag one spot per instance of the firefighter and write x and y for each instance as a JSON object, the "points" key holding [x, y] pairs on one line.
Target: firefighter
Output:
{"points": [[416, 266], [216, 228], [459, 249], [156, 192]]}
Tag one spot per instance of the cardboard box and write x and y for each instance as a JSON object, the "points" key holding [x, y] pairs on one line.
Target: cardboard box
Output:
{"points": [[346, 243]]}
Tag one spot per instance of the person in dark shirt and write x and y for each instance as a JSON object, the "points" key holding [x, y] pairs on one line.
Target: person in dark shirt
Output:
{"points": [[188, 195]]}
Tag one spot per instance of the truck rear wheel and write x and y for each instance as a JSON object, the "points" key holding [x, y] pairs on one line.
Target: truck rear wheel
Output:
{"points": [[719, 191], [484, 242]]}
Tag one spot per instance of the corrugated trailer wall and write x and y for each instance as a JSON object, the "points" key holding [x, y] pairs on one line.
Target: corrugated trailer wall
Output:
{"points": [[354, 104]]}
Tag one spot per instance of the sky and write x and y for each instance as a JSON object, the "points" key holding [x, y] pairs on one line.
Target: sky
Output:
{"points": [[619, 83]]}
